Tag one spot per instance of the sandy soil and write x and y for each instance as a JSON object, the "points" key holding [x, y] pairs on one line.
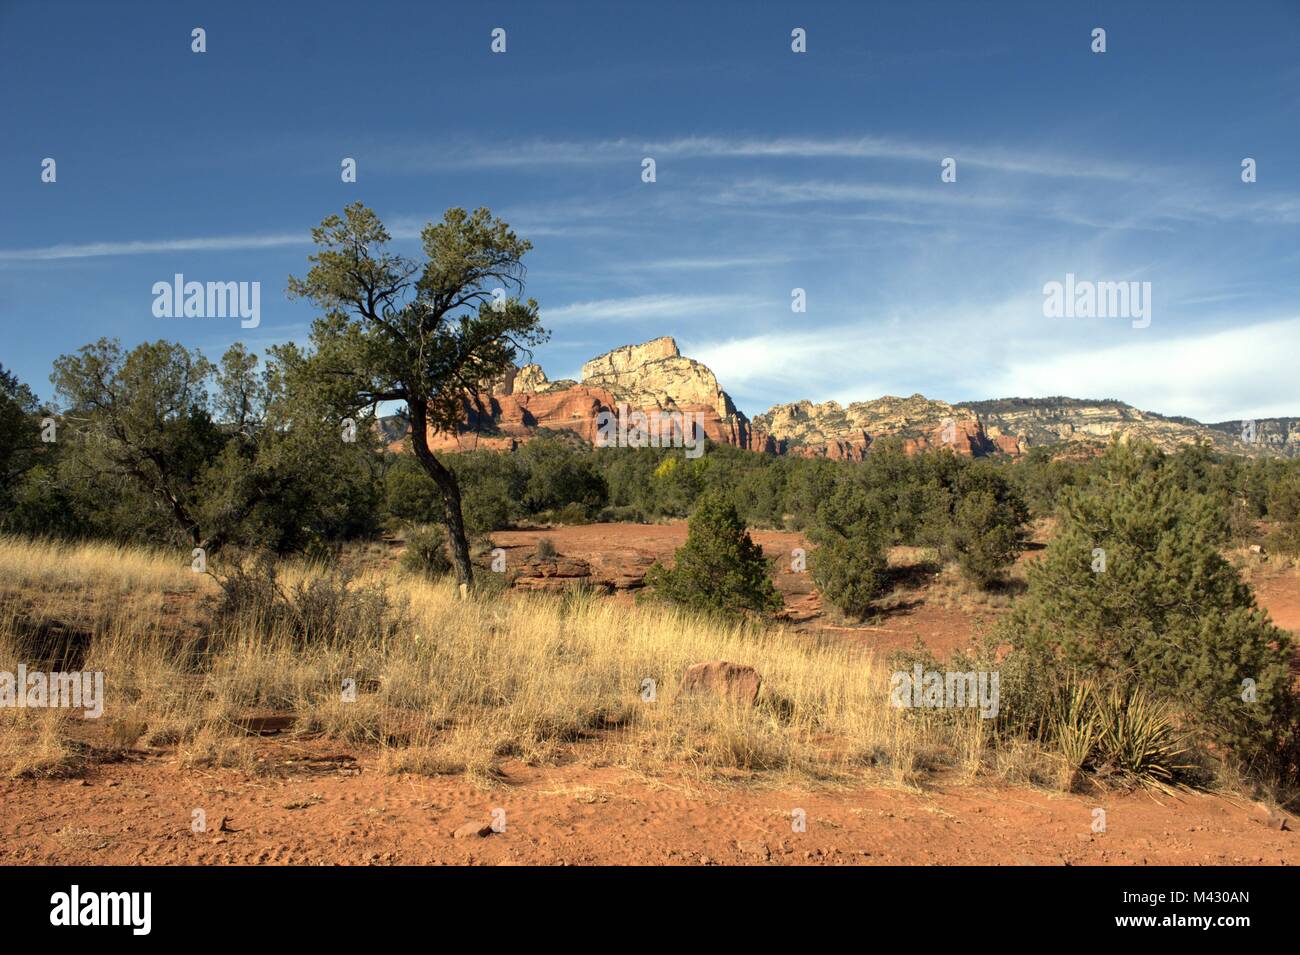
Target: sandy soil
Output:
{"points": [[315, 804]]}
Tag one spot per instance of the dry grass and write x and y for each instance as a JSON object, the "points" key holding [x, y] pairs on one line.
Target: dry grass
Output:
{"points": [[459, 686], [47, 565]]}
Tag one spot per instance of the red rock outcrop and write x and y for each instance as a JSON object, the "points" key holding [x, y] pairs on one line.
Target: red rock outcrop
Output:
{"points": [[650, 378], [655, 378]]}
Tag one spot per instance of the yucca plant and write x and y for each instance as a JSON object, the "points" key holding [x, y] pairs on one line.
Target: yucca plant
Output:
{"points": [[1076, 731], [1120, 731], [1139, 737]]}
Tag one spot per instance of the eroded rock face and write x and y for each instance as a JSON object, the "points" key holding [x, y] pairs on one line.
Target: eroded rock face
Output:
{"points": [[655, 377], [1280, 436], [830, 430], [1060, 420]]}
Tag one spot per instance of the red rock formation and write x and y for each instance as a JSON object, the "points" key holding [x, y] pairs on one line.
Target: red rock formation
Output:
{"points": [[654, 378]]}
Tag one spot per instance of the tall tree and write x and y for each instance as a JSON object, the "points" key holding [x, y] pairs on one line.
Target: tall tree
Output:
{"points": [[428, 334]]}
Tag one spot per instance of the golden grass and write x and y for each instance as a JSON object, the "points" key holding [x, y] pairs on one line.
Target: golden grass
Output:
{"points": [[46, 565], [460, 686]]}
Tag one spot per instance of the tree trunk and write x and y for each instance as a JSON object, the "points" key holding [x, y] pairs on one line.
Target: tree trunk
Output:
{"points": [[449, 489]]}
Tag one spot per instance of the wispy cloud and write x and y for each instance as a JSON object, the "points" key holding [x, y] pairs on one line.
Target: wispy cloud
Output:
{"points": [[559, 152], [153, 247], [768, 191], [645, 307]]}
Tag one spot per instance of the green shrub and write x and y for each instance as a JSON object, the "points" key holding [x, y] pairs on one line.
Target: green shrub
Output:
{"points": [[987, 528], [426, 551], [1165, 612], [560, 473], [485, 506], [1285, 538], [719, 568], [573, 514], [850, 572], [621, 515], [1284, 507]]}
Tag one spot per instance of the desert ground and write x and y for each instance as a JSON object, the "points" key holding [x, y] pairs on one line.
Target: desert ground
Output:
{"points": [[305, 793], [321, 806]]}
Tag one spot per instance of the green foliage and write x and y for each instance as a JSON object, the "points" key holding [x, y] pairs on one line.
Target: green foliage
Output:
{"points": [[987, 529], [144, 416], [1168, 613], [1121, 732], [426, 551], [1041, 477], [409, 493], [254, 462], [1283, 497], [19, 433], [850, 571], [428, 334], [560, 473], [719, 568], [1285, 538]]}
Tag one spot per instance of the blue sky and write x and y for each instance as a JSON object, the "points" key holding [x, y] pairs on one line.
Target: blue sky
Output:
{"points": [[775, 170]]}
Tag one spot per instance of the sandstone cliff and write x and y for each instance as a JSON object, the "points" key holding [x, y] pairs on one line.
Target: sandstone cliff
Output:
{"points": [[650, 377], [919, 423], [1061, 420], [1280, 436], [655, 376]]}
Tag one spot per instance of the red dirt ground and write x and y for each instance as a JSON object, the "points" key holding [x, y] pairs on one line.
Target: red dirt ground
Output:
{"points": [[326, 811]]}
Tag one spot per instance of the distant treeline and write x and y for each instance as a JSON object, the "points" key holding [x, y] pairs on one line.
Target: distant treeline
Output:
{"points": [[227, 453]]}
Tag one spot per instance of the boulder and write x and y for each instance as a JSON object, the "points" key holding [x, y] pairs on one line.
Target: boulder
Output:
{"points": [[730, 681]]}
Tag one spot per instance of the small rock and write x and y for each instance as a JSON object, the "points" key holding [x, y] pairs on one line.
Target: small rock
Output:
{"points": [[758, 850], [472, 830]]}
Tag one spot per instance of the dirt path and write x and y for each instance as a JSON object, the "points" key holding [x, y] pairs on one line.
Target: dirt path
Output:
{"points": [[340, 811]]}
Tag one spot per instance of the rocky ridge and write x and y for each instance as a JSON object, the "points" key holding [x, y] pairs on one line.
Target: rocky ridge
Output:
{"points": [[655, 377]]}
